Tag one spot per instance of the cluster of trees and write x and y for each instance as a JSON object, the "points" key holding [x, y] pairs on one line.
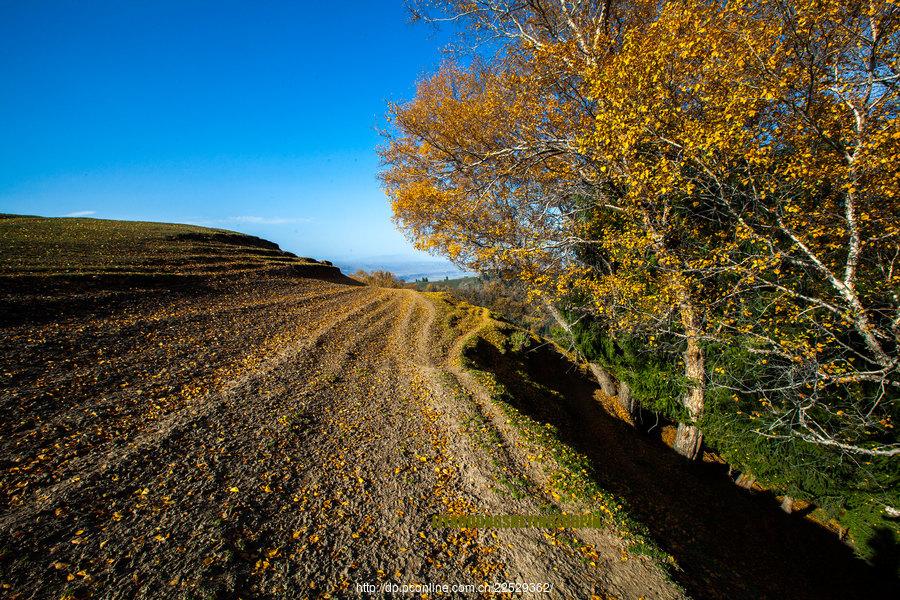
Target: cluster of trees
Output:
{"points": [[709, 193], [384, 279], [506, 297]]}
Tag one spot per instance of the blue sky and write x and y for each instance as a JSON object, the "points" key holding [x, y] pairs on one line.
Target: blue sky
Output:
{"points": [[259, 116]]}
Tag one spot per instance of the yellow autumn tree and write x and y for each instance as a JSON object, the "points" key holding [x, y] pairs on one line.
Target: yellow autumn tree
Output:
{"points": [[705, 170], [763, 136]]}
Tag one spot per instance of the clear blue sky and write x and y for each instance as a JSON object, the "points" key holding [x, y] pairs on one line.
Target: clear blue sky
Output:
{"points": [[259, 116]]}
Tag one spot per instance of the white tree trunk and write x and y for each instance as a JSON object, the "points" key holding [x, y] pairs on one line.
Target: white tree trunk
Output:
{"points": [[787, 504], [612, 388], [688, 437]]}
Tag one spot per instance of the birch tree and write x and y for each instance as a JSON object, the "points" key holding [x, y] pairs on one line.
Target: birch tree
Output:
{"points": [[716, 173]]}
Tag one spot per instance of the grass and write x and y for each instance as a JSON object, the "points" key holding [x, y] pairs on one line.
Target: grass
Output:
{"points": [[491, 346], [516, 486], [488, 439], [570, 474], [36, 246]]}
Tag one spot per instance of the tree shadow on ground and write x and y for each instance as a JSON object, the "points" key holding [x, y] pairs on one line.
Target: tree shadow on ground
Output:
{"points": [[885, 551], [728, 542]]}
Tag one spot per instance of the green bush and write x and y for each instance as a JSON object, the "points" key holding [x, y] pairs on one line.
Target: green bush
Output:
{"points": [[854, 492], [652, 372]]}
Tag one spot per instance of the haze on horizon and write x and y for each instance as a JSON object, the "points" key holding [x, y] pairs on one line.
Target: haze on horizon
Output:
{"points": [[257, 117]]}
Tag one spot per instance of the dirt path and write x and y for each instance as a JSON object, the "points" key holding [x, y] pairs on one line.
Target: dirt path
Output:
{"points": [[279, 438]]}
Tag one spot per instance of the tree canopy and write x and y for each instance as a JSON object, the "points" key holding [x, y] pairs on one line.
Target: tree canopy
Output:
{"points": [[705, 179]]}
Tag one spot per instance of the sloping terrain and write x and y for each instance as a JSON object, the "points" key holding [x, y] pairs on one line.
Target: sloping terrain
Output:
{"points": [[272, 429], [255, 433], [34, 246]]}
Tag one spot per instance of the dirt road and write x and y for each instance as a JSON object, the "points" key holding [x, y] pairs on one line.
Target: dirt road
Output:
{"points": [[276, 437]]}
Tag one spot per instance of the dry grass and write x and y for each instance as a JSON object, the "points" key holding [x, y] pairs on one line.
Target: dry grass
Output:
{"points": [[37, 246]]}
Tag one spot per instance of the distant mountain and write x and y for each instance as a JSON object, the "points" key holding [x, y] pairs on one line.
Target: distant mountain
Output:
{"points": [[406, 269]]}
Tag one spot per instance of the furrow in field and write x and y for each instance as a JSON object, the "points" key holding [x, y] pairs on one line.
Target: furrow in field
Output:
{"points": [[218, 441], [150, 382]]}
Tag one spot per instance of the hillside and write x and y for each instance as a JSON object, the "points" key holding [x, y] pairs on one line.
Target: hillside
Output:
{"points": [[35, 246], [188, 412]]}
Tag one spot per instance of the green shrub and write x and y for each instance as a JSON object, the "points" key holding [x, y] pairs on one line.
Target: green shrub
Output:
{"points": [[854, 492]]}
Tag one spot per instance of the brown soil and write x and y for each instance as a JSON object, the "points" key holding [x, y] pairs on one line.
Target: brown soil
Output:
{"points": [[258, 435], [274, 435]]}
